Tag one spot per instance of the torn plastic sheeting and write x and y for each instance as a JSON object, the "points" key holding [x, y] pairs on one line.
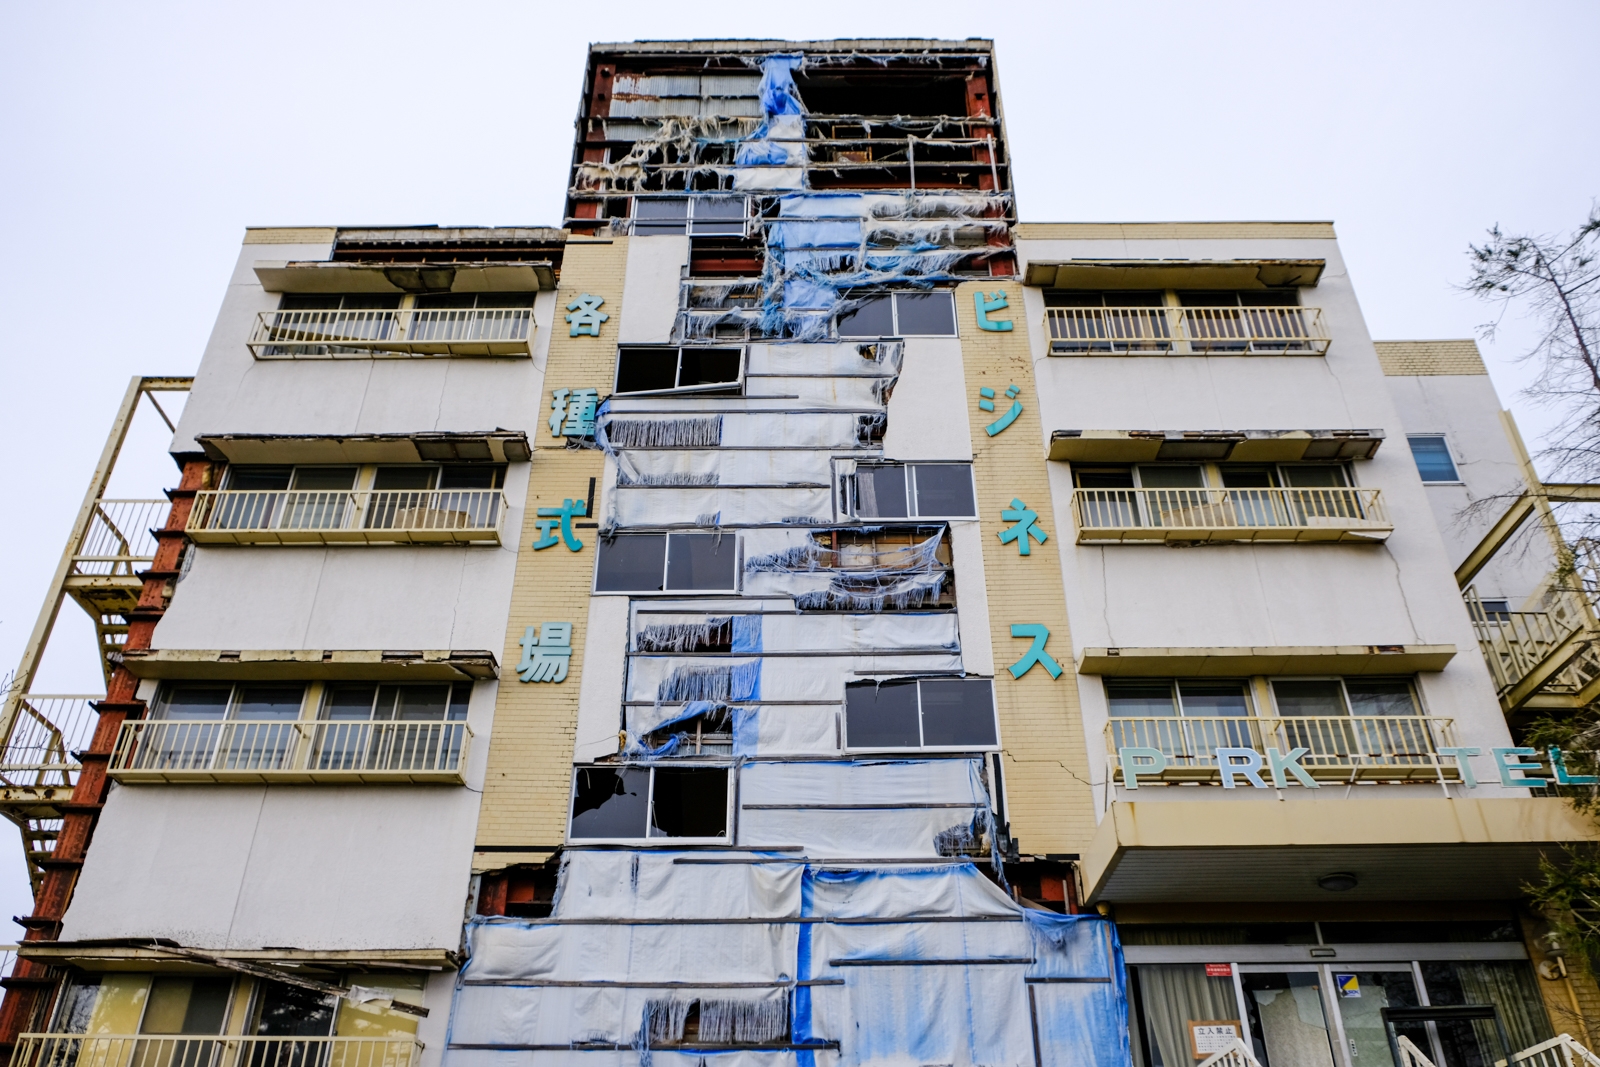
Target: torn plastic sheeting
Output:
{"points": [[844, 592], [678, 633], [811, 554], [911, 781], [807, 294], [738, 507], [833, 233], [682, 467], [921, 892], [742, 952], [882, 833], [613, 432], [649, 884], [772, 729], [640, 720], [842, 358], [672, 680], [778, 93], [757, 179], [725, 1017]]}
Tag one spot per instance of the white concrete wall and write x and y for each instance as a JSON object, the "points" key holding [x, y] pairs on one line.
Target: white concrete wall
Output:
{"points": [[314, 867], [1465, 408], [236, 393], [1401, 592], [650, 289], [928, 411]]}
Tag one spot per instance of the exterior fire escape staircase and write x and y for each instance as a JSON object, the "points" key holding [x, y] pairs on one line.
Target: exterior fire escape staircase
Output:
{"points": [[111, 546]]}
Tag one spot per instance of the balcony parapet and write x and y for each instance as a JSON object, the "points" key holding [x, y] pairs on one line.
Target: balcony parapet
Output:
{"points": [[1339, 748], [402, 516], [299, 751], [1186, 331], [142, 1050], [366, 333], [1327, 514]]}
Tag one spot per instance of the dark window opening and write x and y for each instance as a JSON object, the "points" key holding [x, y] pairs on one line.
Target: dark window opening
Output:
{"points": [[699, 216], [662, 369], [187, 1006], [882, 93], [725, 257], [690, 802], [631, 563], [290, 1011], [1044, 884], [908, 314], [531, 894], [610, 802]]}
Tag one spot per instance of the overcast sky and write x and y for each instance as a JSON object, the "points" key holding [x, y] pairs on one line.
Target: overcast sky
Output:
{"points": [[137, 142]]}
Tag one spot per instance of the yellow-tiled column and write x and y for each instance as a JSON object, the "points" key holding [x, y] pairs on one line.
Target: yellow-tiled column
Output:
{"points": [[524, 810], [1050, 802]]}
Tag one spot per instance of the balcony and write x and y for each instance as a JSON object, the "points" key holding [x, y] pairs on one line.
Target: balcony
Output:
{"points": [[401, 516], [130, 1050], [1317, 514], [1186, 331], [1546, 659], [364, 333], [1341, 748], [337, 753]]}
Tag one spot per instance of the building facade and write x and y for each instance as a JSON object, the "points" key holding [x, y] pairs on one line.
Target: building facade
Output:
{"points": [[792, 610]]}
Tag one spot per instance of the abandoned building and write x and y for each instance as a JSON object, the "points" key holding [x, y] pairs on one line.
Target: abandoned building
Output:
{"points": [[792, 610]]}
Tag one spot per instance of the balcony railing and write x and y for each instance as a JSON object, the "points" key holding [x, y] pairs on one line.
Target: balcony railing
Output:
{"points": [[1319, 514], [1184, 331], [368, 332], [48, 731], [396, 516], [1552, 654], [130, 1050], [240, 750], [1342, 747]]}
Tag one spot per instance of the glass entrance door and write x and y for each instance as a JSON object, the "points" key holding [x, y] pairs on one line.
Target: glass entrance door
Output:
{"points": [[1288, 1026], [1361, 997]]}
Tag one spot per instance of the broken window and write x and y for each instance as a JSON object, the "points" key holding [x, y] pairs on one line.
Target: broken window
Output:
{"points": [[910, 314], [643, 369], [944, 713], [637, 803], [725, 257], [913, 490], [679, 562], [705, 1023], [695, 215]]}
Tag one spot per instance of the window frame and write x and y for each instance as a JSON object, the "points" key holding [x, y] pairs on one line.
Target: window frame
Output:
{"points": [[1413, 687], [689, 218], [734, 388], [666, 565], [893, 296], [848, 748], [1175, 690], [1449, 452], [727, 839], [851, 496]]}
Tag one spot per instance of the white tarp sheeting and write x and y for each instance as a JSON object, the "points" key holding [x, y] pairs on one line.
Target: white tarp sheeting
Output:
{"points": [[939, 975]]}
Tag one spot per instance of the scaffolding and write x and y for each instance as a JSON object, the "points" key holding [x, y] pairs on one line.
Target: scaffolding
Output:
{"points": [[102, 569]]}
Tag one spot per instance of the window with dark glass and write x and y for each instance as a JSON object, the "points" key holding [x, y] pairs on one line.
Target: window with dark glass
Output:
{"points": [[914, 490], [902, 314], [678, 562], [920, 713], [696, 215]]}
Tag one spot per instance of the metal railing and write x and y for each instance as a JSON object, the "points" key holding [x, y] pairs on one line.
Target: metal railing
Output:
{"points": [[1236, 1054], [139, 1050], [118, 540], [404, 516], [1338, 746], [1559, 1051], [1177, 331], [365, 332], [45, 736], [1519, 644], [1329, 513], [197, 750]]}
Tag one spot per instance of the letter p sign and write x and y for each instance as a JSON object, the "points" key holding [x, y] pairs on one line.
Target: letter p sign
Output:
{"points": [[1137, 761]]}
